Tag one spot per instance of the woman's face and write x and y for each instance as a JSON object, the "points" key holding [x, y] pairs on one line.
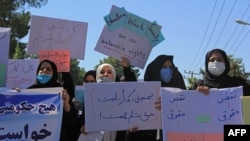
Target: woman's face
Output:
{"points": [[167, 64], [107, 72], [90, 79], [216, 56], [45, 69]]}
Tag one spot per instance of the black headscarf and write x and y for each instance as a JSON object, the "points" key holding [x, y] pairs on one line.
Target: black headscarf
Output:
{"points": [[90, 72], [153, 70], [52, 82], [68, 84], [224, 80], [70, 120], [216, 81]]}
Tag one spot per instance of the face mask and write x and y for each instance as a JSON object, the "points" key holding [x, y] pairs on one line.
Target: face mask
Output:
{"points": [[43, 78], [166, 74], [105, 79], [216, 68]]}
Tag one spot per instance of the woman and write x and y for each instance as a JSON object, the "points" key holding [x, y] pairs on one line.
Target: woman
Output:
{"points": [[217, 67], [47, 76], [106, 73], [90, 77], [162, 69]]}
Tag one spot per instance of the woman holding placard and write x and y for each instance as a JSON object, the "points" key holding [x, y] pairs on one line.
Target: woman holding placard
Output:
{"points": [[217, 67], [47, 77], [161, 69]]}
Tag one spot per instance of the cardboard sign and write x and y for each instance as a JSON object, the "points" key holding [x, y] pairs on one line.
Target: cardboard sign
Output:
{"points": [[60, 57], [128, 35], [121, 106], [50, 33]]}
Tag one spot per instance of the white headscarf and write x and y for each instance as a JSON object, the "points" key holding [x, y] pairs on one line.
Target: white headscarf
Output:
{"points": [[100, 67]]}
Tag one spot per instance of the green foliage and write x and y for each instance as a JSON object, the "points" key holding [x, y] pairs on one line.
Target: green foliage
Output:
{"points": [[76, 72], [14, 16], [191, 80], [19, 51], [117, 65], [237, 67]]}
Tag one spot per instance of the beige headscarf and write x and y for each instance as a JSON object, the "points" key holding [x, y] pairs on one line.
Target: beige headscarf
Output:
{"points": [[98, 70]]}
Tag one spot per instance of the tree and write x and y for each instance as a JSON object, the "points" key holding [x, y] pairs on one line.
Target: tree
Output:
{"points": [[191, 80], [117, 65], [237, 67], [14, 16], [76, 72]]}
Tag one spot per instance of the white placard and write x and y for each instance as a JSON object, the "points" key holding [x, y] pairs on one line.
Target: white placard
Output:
{"points": [[50, 33], [121, 106], [21, 73], [191, 115]]}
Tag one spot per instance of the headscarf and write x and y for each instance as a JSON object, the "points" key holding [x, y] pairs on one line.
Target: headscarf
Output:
{"points": [[100, 67], [90, 72], [68, 84], [153, 70], [224, 80], [216, 81], [52, 82], [224, 55]]}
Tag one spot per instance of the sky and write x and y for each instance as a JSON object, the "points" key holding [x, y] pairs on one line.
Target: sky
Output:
{"points": [[190, 27]]}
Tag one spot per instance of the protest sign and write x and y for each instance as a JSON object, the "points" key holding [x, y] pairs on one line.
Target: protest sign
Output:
{"points": [[4, 47], [32, 114], [50, 33], [128, 35], [245, 109], [191, 115], [21, 73], [121, 106], [60, 57]]}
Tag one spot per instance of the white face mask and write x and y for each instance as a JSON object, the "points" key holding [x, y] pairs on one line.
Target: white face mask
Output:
{"points": [[105, 79], [216, 68]]}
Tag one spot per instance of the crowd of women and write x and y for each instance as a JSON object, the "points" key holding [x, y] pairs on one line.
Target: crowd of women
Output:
{"points": [[162, 68]]}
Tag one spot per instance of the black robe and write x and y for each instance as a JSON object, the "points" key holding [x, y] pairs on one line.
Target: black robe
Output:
{"points": [[152, 73], [70, 129]]}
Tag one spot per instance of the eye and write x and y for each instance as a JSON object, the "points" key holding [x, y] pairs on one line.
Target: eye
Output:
{"points": [[89, 81], [171, 67], [165, 67]]}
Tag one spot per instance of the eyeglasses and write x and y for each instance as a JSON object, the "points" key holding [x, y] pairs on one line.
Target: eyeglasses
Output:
{"points": [[89, 81]]}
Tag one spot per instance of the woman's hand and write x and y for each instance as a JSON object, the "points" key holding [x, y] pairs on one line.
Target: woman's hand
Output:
{"points": [[76, 104], [82, 129], [66, 98], [158, 104], [203, 89], [17, 89], [134, 129], [125, 62]]}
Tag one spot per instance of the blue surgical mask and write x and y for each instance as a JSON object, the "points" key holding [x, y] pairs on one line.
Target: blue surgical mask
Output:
{"points": [[105, 79], [166, 74], [43, 78]]}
